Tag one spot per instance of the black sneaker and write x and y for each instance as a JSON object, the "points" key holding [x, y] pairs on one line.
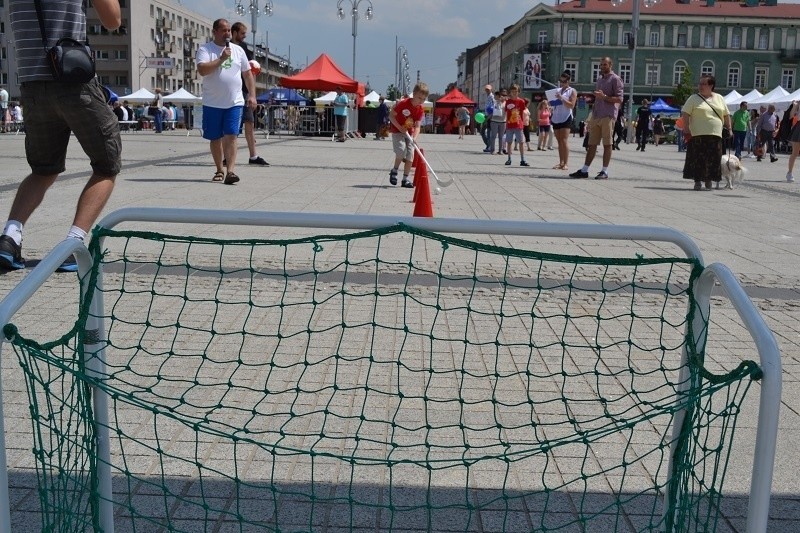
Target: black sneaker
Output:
{"points": [[258, 161], [10, 254], [393, 176], [69, 265], [579, 174], [523, 163], [601, 176], [407, 184]]}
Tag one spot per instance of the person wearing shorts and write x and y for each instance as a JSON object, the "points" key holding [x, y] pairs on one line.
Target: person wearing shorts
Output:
{"points": [[514, 124], [608, 95], [53, 111], [406, 120], [224, 66], [238, 33]]}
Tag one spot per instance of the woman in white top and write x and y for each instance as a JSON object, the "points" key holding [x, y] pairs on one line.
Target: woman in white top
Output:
{"points": [[794, 138], [561, 118]]}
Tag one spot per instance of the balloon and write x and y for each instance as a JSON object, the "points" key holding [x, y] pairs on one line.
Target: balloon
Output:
{"points": [[479, 117], [255, 67]]}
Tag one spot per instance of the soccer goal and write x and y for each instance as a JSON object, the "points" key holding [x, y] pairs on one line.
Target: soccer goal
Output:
{"points": [[388, 375]]}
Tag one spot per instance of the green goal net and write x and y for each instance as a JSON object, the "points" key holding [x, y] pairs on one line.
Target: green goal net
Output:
{"points": [[384, 380]]}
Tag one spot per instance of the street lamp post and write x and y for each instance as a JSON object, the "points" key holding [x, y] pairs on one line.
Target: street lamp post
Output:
{"points": [[401, 67], [255, 10], [634, 34], [354, 14]]}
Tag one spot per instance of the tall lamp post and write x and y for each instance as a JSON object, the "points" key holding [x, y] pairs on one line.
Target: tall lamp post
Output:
{"points": [[255, 10], [632, 45], [401, 67], [354, 14]]}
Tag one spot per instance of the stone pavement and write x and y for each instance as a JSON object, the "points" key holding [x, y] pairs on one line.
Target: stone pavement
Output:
{"points": [[752, 229]]}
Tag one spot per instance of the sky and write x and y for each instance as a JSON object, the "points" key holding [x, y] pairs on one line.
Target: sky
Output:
{"points": [[434, 32]]}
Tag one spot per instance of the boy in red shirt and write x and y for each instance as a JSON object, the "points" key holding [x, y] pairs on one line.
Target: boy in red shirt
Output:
{"points": [[514, 124], [406, 116]]}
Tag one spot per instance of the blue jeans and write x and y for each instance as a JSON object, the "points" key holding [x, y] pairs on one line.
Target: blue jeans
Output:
{"points": [[738, 142], [158, 119]]}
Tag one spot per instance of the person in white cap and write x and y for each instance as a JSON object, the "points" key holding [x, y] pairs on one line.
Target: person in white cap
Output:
{"points": [[488, 107]]}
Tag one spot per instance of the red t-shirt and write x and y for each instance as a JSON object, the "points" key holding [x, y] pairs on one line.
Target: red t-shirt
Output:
{"points": [[514, 109], [406, 115]]}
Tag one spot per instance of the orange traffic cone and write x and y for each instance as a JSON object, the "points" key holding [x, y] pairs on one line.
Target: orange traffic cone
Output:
{"points": [[417, 162], [423, 206]]}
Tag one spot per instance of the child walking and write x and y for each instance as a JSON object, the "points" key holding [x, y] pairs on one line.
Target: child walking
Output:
{"points": [[514, 107], [406, 116]]}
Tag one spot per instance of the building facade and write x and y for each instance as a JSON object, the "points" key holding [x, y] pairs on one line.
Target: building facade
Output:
{"points": [[154, 48], [745, 45]]}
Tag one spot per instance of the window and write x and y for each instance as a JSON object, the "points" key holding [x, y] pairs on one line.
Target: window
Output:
{"points": [[121, 55], [681, 40], [627, 38], [152, 12], [707, 68], [734, 74], [572, 68], [763, 40], [542, 36], [93, 29], [624, 72], [760, 78], [708, 40], [600, 37], [595, 71], [572, 36], [654, 36], [104, 80], [653, 74], [677, 72], [736, 40], [122, 80], [787, 79], [101, 54]]}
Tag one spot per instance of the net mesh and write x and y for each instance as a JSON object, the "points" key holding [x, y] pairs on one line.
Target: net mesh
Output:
{"points": [[388, 380]]}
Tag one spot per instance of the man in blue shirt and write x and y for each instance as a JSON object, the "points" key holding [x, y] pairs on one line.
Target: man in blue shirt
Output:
{"points": [[340, 106]]}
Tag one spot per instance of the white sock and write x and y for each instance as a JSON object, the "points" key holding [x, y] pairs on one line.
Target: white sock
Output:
{"points": [[76, 233], [585, 168], [605, 169], [14, 230]]}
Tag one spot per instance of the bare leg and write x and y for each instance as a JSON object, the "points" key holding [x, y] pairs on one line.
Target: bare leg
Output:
{"points": [[30, 194], [250, 135], [606, 155], [591, 150], [92, 200], [229, 147], [793, 155], [563, 147], [216, 153]]}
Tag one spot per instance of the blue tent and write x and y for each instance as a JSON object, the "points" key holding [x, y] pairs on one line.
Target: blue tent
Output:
{"points": [[283, 96], [660, 106]]}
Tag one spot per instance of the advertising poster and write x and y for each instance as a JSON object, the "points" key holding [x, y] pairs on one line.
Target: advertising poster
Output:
{"points": [[532, 71]]}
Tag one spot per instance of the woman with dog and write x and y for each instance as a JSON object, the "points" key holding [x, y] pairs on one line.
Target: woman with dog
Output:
{"points": [[704, 115]]}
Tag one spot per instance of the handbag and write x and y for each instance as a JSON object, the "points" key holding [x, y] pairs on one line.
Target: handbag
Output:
{"points": [[70, 61]]}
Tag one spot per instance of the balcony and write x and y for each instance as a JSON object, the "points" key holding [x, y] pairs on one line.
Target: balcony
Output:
{"points": [[539, 48]]}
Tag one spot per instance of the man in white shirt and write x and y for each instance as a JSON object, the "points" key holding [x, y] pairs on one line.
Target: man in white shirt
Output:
{"points": [[3, 108], [224, 67]]}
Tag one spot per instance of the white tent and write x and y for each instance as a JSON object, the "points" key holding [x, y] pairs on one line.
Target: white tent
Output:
{"points": [[142, 95], [749, 97], [782, 103], [182, 96], [326, 98], [775, 94], [732, 97], [372, 97]]}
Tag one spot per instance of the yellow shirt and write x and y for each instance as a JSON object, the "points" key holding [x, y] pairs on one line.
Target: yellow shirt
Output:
{"points": [[704, 121]]}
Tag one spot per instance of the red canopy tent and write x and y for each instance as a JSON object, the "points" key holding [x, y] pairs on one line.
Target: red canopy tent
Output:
{"points": [[323, 75], [444, 110]]}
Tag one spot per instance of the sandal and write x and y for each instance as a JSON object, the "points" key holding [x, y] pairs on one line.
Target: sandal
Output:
{"points": [[558, 167], [218, 176], [231, 178]]}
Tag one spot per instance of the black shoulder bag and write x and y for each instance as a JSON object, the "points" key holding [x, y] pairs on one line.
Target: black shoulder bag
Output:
{"points": [[70, 61]]}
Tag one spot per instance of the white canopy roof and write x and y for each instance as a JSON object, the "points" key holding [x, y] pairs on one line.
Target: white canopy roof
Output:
{"points": [[372, 97], [733, 105], [182, 96], [732, 97], [775, 94], [142, 95], [326, 98], [782, 103]]}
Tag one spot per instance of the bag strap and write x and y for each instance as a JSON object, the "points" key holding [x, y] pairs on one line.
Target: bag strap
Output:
{"points": [[39, 16], [709, 105]]}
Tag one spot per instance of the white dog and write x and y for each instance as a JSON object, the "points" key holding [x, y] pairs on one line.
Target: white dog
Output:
{"points": [[732, 170]]}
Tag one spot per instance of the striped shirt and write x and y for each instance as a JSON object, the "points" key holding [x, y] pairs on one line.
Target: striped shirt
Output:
{"points": [[62, 18]]}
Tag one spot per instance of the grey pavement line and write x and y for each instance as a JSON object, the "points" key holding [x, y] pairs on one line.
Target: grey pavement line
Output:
{"points": [[428, 280]]}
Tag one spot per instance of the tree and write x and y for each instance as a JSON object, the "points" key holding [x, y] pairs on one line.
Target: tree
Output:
{"points": [[684, 89], [393, 93]]}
